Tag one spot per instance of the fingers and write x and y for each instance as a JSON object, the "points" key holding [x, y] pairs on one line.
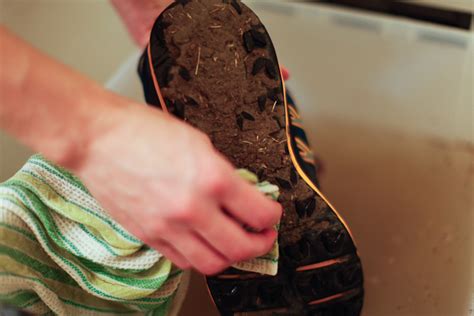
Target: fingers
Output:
{"points": [[196, 251], [210, 240], [232, 240], [245, 203], [139, 16], [237, 196], [207, 237], [172, 254], [285, 73]]}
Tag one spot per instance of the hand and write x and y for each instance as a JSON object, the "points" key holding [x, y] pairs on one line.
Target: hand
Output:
{"points": [[157, 176], [166, 184], [139, 16]]}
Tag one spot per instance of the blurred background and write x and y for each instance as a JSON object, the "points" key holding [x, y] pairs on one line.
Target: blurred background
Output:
{"points": [[386, 91]]}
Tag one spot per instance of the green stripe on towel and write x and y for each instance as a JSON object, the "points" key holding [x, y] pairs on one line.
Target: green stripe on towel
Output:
{"points": [[60, 252]]}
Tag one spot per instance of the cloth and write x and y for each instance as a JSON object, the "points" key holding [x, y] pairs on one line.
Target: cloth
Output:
{"points": [[61, 253], [267, 264]]}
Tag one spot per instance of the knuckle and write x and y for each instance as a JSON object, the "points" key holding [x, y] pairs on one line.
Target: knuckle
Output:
{"points": [[214, 184], [185, 212]]}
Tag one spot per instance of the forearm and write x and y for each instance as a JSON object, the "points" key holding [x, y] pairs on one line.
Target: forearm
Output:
{"points": [[48, 106]]}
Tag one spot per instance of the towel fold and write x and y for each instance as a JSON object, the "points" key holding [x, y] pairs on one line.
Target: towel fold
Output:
{"points": [[61, 252]]}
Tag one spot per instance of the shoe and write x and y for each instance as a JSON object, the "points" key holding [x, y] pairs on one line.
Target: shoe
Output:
{"points": [[212, 64]]}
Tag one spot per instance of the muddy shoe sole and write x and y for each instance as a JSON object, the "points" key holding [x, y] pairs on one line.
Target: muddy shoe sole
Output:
{"points": [[212, 64]]}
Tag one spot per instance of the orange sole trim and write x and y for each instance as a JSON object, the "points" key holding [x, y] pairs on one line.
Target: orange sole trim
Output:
{"points": [[323, 264], [300, 170], [155, 82], [331, 298]]}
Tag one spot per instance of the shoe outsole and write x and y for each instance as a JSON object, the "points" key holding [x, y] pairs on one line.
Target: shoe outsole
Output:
{"points": [[212, 64]]}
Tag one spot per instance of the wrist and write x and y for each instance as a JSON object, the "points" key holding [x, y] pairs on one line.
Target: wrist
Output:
{"points": [[100, 113]]}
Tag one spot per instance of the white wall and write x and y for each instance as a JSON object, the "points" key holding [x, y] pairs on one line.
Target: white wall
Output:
{"points": [[85, 34]]}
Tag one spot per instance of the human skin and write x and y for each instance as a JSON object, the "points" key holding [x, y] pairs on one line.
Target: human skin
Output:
{"points": [[157, 176]]}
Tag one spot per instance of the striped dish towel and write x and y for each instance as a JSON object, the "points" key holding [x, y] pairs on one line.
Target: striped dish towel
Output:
{"points": [[61, 253]]}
